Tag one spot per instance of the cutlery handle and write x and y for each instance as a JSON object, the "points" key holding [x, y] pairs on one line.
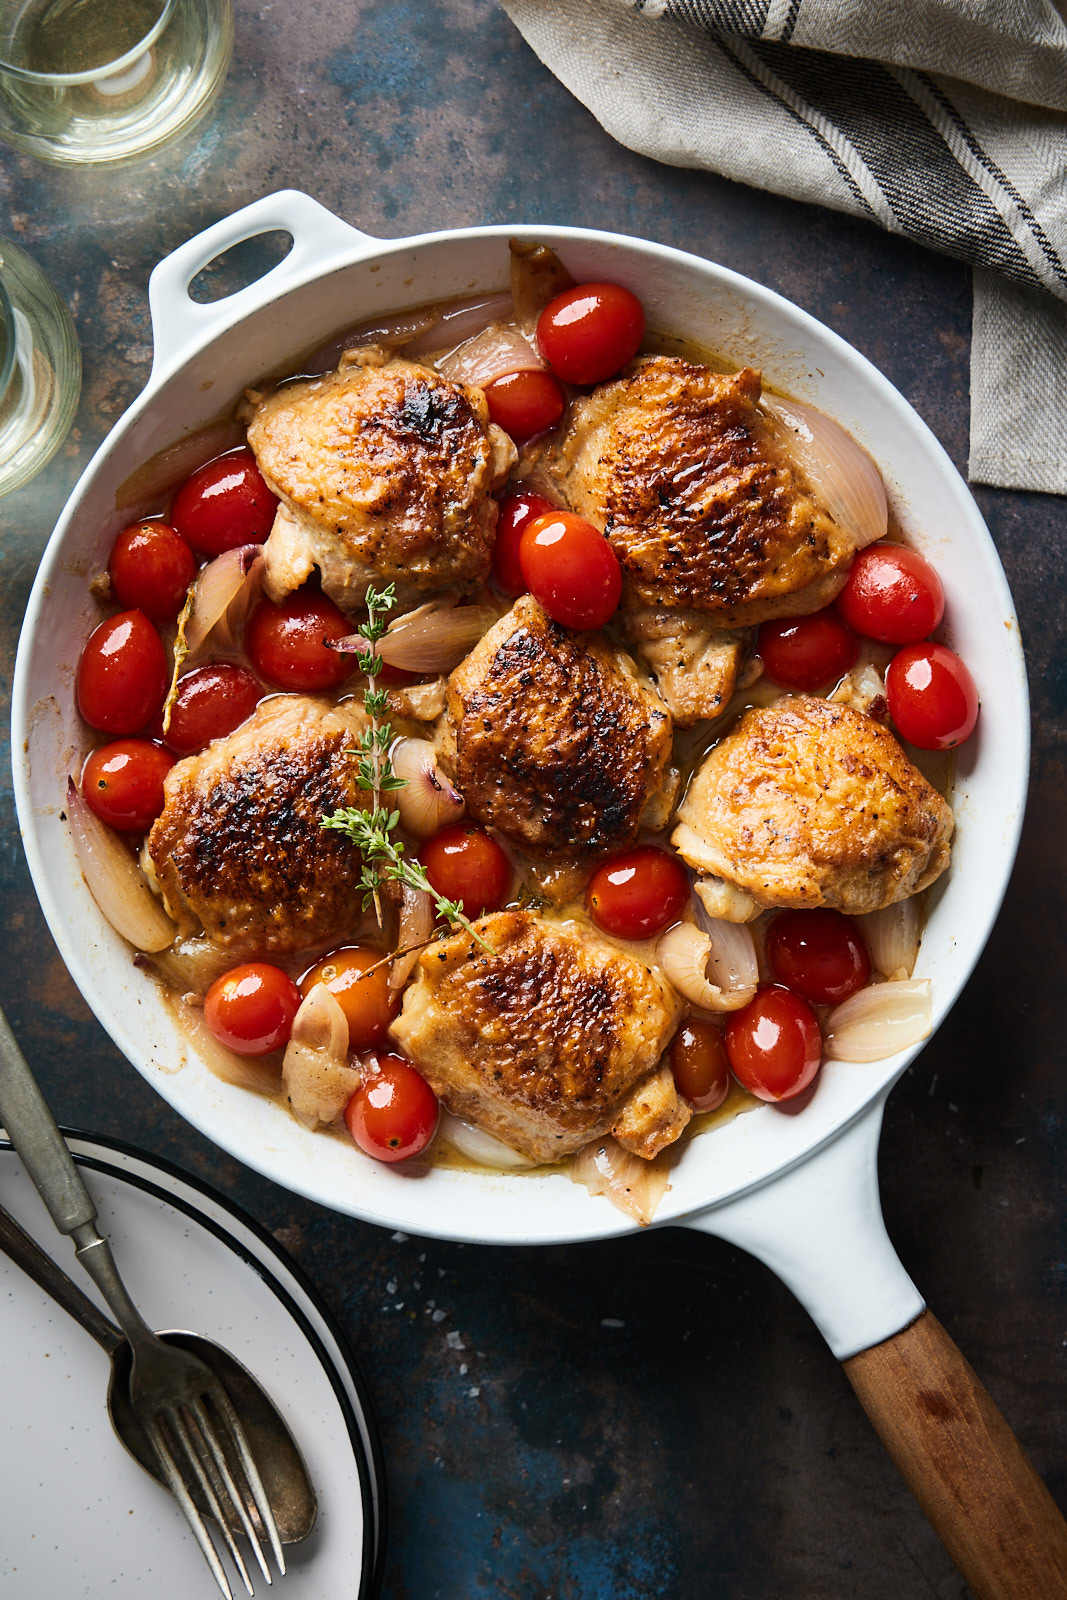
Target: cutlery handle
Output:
{"points": [[963, 1464], [32, 1129], [37, 1264]]}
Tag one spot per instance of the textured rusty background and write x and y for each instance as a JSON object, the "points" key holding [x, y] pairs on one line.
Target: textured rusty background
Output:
{"points": [[654, 1416]]}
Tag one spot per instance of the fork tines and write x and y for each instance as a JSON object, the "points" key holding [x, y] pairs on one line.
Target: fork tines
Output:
{"points": [[189, 1440]]}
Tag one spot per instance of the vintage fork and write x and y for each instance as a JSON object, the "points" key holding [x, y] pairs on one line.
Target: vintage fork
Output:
{"points": [[180, 1403]]}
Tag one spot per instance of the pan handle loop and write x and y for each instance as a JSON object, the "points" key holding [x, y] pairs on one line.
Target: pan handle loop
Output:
{"points": [[180, 324], [819, 1227]]}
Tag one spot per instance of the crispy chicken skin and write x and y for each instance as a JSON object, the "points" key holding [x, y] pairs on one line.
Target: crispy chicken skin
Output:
{"points": [[542, 1041], [239, 849], [807, 803], [385, 472], [551, 738]]}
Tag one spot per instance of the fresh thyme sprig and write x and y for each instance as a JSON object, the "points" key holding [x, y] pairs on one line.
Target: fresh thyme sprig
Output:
{"points": [[373, 832]]}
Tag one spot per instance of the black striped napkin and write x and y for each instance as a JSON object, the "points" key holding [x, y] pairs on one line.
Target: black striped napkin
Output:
{"points": [[945, 120]]}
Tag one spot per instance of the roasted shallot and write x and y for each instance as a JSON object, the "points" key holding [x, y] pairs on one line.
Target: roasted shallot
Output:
{"points": [[115, 880], [428, 799], [632, 1184], [715, 970], [415, 932], [892, 936], [839, 470], [261, 1073], [434, 638], [316, 1077], [498, 349], [477, 1145], [879, 1021]]}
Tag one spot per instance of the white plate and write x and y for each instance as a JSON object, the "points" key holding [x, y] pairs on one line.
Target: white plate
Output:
{"points": [[81, 1518]]}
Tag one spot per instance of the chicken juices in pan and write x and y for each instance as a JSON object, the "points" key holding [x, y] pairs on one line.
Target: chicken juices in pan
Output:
{"points": [[507, 744]]}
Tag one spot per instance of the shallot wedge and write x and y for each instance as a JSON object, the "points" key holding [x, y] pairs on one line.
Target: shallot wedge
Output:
{"points": [[315, 1073], [415, 931], [455, 324], [537, 277], [236, 572], [396, 332], [477, 1145], [631, 1184], [433, 638], [879, 1021], [498, 349], [260, 1073], [715, 970], [164, 471], [893, 936], [839, 470], [428, 801], [115, 881]]}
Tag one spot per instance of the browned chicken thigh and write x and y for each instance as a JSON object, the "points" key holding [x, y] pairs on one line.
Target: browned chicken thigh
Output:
{"points": [[239, 849], [385, 472], [548, 1040], [807, 803], [693, 484], [551, 737]]}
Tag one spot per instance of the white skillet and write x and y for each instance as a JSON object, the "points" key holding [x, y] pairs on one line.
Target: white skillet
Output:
{"points": [[797, 1189]]}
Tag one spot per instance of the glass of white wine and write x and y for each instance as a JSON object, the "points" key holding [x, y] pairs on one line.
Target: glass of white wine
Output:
{"points": [[40, 368], [97, 83]]}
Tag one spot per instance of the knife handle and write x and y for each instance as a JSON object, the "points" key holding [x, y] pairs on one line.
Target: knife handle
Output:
{"points": [[32, 1129]]}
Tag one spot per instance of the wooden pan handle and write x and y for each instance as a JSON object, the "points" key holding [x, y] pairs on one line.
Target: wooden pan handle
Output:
{"points": [[963, 1464]]}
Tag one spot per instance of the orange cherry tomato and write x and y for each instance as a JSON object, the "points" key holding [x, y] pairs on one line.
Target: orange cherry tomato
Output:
{"points": [[698, 1062], [363, 996]]}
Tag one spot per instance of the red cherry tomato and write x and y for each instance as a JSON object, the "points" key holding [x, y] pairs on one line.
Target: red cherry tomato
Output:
{"points": [[806, 652], [465, 864], [774, 1044], [151, 568], [211, 702], [122, 674], [818, 954], [364, 997], [223, 504], [589, 333], [892, 594], [516, 511], [638, 894], [932, 696], [393, 1114], [571, 569], [123, 783], [285, 643], [251, 1008], [525, 403], [698, 1062]]}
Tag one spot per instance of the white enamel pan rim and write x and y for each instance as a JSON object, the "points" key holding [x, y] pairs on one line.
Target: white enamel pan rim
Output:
{"points": [[271, 318]]}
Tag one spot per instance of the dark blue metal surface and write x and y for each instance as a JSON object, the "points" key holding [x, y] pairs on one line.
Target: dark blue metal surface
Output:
{"points": [[653, 1416]]}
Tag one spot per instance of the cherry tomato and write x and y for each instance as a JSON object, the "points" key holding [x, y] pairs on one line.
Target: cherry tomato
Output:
{"points": [[806, 652], [638, 894], [251, 1008], [151, 568], [393, 1114], [774, 1045], [122, 674], [364, 999], [123, 783], [211, 702], [589, 333], [571, 569], [223, 504], [819, 954], [932, 696], [892, 594], [525, 403], [285, 643], [465, 864], [698, 1061], [516, 510]]}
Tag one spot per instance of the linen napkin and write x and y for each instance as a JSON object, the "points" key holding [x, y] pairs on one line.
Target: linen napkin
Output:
{"points": [[945, 120]]}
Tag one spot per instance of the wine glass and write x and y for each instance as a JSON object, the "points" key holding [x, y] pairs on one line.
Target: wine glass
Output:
{"points": [[40, 368], [97, 83]]}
